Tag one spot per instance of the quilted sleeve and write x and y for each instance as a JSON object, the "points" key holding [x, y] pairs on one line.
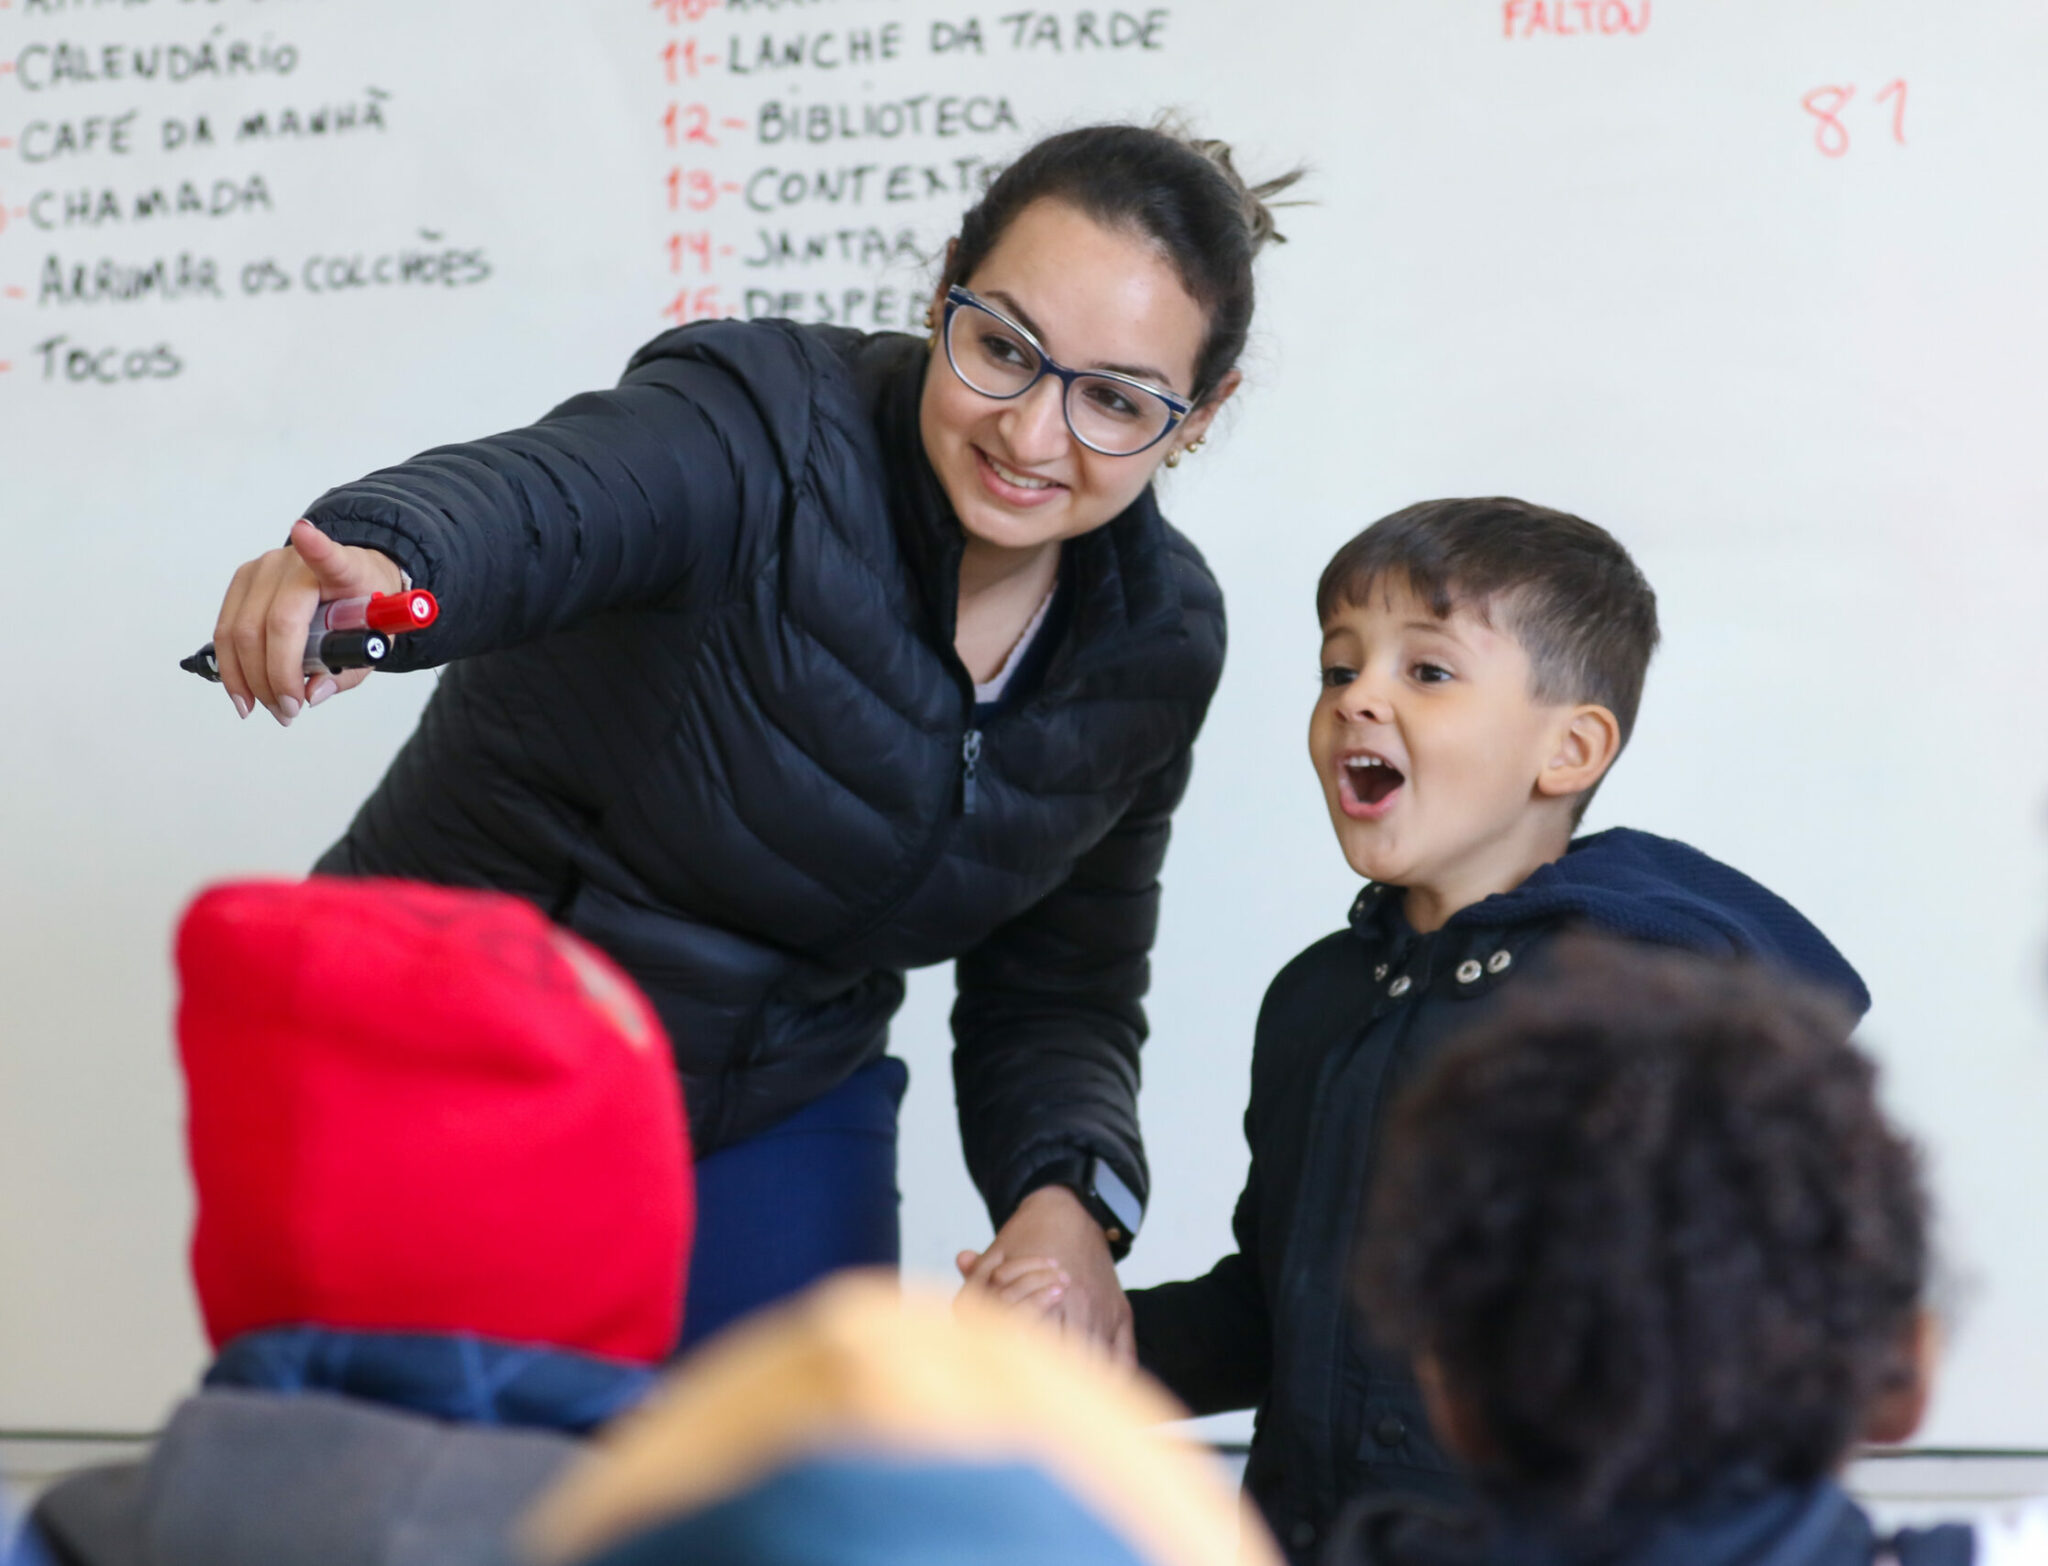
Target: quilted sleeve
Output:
{"points": [[671, 483]]}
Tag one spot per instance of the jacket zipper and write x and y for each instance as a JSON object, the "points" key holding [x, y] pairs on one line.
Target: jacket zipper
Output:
{"points": [[970, 757], [935, 844]]}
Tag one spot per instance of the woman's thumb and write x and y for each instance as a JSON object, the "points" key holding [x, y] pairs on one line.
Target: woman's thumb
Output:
{"points": [[326, 559]]}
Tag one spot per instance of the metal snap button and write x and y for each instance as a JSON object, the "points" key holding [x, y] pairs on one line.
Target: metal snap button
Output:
{"points": [[1390, 1431], [1401, 986], [1498, 962], [1469, 970], [1379, 973]]}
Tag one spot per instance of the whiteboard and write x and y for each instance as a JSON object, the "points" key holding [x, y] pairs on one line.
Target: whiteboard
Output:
{"points": [[1757, 284]]}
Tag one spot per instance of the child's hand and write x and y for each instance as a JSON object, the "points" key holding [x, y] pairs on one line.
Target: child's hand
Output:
{"points": [[1030, 1282], [1052, 1233]]}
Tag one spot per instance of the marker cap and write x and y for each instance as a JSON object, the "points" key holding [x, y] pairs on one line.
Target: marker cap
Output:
{"points": [[392, 613]]}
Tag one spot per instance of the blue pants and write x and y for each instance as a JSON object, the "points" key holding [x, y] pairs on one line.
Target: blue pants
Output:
{"points": [[810, 1195]]}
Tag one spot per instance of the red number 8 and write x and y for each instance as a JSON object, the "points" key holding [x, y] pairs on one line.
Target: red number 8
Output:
{"points": [[1824, 103]]}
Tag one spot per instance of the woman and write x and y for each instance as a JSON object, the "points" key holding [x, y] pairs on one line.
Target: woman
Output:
{"points": [[804, 657]]}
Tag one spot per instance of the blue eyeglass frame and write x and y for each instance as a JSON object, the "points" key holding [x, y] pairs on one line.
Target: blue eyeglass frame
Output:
{"points": [[958, 299]]}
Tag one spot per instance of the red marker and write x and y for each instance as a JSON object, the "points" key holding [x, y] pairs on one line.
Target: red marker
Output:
{"points": [[348, 633], [392, 613]]}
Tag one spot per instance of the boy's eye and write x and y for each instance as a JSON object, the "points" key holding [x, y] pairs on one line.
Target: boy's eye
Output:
{"points": [[1336, 677], [1430, 673]]}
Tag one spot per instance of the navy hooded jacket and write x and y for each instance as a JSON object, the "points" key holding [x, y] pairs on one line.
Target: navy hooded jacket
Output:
{"points": [[1342, 1028]]}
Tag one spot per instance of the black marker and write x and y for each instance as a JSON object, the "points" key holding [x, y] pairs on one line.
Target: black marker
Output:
{"points": [[327, 652]]}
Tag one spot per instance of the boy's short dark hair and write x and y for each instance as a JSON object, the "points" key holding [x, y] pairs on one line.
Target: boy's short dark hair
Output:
{"points": [[1562, 587], [1651, 1226]]}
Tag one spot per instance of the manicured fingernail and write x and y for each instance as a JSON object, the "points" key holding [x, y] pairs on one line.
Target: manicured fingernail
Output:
{"points": [[322, 689], [288, 707], [241, 705]]}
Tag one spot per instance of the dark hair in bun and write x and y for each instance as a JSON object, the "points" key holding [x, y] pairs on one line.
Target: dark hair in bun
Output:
{"points": [[1180, 192]]}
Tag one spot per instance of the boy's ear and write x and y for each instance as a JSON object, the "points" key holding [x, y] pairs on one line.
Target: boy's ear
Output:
{"points": [[1899, 1407], [1587, 740]]}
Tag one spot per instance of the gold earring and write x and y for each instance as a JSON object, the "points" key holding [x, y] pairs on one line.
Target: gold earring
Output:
{"points": [[1173, 457], [1195, 445]]}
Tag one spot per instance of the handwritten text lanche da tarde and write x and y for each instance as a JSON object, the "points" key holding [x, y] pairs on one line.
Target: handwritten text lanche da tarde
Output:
{"points": [[756, 78]]}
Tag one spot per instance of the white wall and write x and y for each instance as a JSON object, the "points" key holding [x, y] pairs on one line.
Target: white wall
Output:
{"points": [[1613, 273]]}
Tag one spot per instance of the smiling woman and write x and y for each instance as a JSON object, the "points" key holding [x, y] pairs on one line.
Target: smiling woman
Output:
{"points": [[804, 657]]}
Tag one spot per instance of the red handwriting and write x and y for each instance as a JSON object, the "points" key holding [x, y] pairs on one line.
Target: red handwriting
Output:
{"points": [[695, 304], [688, 122], [1896, 89], [1826, 105], [691, 130], [681, 58], [686, 247], [1573, 18], [695, 189]]}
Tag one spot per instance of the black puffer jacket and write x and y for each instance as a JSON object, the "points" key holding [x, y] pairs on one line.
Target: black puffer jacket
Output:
{"points": [[703, 706], [1344, 1026]]}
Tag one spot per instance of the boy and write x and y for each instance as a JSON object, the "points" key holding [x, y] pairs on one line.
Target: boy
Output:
{"points": [[445, 1208], [1661, 1263], [1482, 662]]}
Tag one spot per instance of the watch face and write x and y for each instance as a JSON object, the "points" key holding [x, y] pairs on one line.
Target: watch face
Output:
{"points": [[1116, 1196]]}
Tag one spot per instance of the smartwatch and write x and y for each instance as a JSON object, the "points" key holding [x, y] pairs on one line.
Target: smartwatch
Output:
{"points": [[1101, 1190]]}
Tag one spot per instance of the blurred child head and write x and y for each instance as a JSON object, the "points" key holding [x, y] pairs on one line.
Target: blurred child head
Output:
{"points": [[1482, 663], [417, 1109], [862, 1426], [1647, 1227]]}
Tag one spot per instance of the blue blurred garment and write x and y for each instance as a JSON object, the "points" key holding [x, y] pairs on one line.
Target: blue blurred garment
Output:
{"points": [[867, 1511], [18, 1546], [454, 1376], [810, 1195]]}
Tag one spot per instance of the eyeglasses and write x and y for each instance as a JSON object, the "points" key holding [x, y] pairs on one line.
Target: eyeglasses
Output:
{"points": [[1107, 412]]}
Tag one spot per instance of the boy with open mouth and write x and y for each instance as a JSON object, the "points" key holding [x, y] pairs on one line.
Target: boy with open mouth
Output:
{"points": [[1482, 661]]}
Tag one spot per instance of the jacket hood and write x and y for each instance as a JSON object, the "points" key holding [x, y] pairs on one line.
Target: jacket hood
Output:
{"points": [[243, 1478], [452, 1376], [1641, 887]]}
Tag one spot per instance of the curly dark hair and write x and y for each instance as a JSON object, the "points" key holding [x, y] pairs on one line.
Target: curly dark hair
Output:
{"points": [[1651, 1226]]}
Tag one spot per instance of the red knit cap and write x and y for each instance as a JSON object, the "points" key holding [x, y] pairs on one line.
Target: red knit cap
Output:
{"points": [[417, 1109]]}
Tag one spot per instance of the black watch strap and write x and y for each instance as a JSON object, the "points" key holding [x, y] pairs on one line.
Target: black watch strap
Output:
{"points": [[1109, 1201]]}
